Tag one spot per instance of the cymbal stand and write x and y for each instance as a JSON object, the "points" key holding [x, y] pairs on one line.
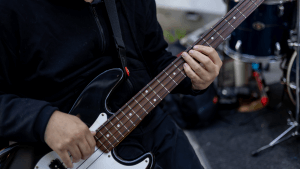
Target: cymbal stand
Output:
{"points": [[294, 123]]}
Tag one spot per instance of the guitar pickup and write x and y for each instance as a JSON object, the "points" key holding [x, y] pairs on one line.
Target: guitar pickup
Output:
{"points": [[57, 164]]}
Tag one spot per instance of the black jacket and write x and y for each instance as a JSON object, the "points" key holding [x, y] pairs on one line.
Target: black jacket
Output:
{"points": [[51, 49]]}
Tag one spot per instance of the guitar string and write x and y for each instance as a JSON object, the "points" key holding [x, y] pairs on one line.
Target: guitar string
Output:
{"points": [[98, 148], [238, 11], [138, 111], [119, 137], [102, 152], [167, 76], [205, 35], [162, 81], [179, 73], [150, 84], [93, 161]]}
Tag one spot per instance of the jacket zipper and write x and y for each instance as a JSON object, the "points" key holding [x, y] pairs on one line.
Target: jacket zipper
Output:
{"points": [[99, 28]]}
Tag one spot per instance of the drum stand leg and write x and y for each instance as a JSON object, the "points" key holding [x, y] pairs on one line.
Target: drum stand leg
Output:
{"points": [[294, 122], [281, 137]]}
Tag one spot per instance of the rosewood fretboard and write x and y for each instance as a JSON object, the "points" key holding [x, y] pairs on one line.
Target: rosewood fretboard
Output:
{"points": [[118, 126]]}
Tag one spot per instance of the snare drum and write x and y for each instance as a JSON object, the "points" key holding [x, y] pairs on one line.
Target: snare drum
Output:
{"points": [[263, 35]]}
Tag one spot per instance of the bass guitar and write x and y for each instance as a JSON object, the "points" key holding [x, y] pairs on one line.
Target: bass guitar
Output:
{"points": [[111, 131]]}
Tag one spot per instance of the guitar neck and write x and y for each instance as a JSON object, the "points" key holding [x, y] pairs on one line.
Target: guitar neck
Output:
{"points": [[118, 126]]}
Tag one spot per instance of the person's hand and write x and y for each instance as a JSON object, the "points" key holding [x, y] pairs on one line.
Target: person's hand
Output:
{"points": [[202, 66], [68, 134]]}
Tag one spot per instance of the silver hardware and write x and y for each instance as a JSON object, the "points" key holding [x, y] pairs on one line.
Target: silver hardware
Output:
{"points": [[294, 44], [278, 48], [224, 92], [281, 10], [238, 45]]}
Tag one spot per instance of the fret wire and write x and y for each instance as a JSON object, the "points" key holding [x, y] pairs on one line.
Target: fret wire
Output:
{"points": [[141, 107], [153, 91], [170, 77], [130, 108], [122, 123], [162, 85], [116, 128], [178, 69], [146, 98], [111, 133], [97, 139], [254, 3], [105, 137], [127, 117]]}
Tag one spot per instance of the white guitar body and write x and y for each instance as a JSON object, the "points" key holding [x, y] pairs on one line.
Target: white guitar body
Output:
{"points": [[98, 160]]}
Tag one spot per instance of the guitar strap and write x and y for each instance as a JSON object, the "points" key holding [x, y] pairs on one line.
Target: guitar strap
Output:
{"points": [[117, 34]]}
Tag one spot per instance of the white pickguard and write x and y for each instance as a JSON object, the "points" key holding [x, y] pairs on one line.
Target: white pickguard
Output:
{"points": [[98, 160]]}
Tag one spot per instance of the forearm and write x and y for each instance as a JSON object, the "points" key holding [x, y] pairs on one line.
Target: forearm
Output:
{"points": [[23, 119]]}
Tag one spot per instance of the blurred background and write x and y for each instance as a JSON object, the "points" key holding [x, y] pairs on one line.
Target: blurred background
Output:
{"points": [[247, 118]]}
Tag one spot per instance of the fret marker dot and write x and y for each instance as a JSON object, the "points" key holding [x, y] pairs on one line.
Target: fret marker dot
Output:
{"points": [[118, 125], [212, 38], [107, 135], [174, 73], [234, 17], [146, 91], [154, 100], [130, 114]]}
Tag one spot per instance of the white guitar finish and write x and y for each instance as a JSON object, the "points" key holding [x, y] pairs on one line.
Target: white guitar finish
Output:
{"points": [[98, 160]]}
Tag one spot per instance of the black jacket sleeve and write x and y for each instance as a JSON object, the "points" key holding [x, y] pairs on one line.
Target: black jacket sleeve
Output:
{"points": [[21, 119], [154, 51]]}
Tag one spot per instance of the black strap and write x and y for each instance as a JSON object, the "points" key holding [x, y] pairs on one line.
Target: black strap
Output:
{"points": [[114, 21]]}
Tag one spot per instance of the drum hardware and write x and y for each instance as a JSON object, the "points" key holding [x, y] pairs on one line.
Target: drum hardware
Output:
{"points": [[238, 46], [277, 48], [293, 44], [240, 77], [264, 39], [293, 122], [281, 10]]}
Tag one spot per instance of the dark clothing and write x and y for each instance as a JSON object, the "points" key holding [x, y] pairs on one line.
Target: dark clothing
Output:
{"points": [[167, 142], [51, 49]]}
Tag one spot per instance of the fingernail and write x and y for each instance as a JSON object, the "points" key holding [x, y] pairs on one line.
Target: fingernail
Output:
{"points": [[196, 47], [184, 54], [191, 51], [93, 132], [185, 65]]}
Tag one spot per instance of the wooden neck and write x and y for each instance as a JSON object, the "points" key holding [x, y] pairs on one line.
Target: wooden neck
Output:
{"points": [[118, 126]]}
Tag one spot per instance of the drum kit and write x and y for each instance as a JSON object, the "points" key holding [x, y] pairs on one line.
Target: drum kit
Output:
{"points": [[269, 34]]}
